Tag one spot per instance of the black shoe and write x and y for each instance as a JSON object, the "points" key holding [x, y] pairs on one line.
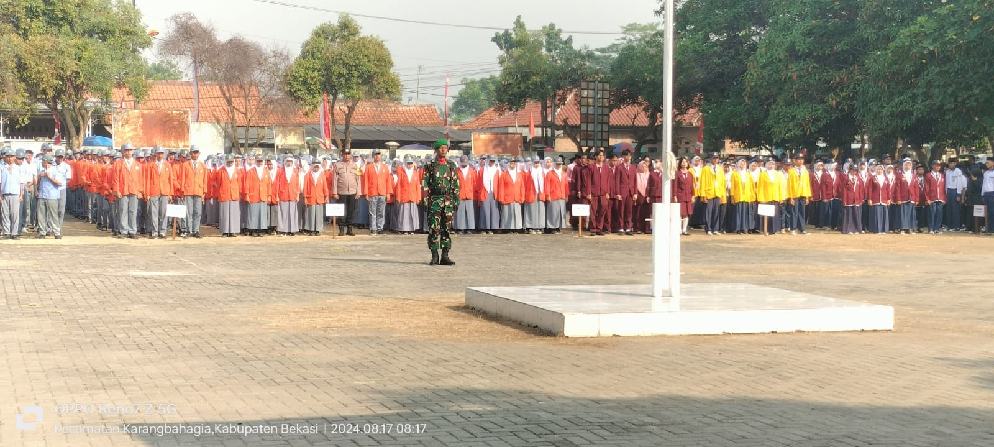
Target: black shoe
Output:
{"points": [[445, 258], [349, 231], [434, 257], [341, 230], [132, 236], [198, 235], [58, 236]]}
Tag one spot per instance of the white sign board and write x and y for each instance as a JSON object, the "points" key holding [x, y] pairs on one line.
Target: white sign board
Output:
{"points": [[176, 211], [767, 210], [979, 211], [334, 210], [580, 210]]}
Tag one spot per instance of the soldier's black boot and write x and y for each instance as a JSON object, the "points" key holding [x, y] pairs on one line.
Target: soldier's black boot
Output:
{"points": [[349, 231], [341, 230], [434, 257], [445, 258]]}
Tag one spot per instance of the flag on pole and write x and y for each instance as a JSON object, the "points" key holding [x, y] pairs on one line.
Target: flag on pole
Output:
{"points": [[325, 121], [58, 128]]}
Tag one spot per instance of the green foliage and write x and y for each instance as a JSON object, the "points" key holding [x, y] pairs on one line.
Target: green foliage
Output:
{"points": [[476, 96], [805, 71], [165, 70], [793, 72], [338, 60], [68, 52], [540, 66]]}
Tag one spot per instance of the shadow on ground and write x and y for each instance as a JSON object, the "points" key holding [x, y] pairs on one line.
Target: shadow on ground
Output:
{"points": [[500, 417]]}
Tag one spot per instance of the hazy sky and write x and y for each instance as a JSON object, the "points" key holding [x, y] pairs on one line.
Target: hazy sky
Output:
{"points": [[457, 51]]}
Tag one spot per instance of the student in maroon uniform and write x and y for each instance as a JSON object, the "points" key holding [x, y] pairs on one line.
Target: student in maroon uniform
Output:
{"points": [[878, 196], [921, 205], [831, 206], [852, 202], [624, 176], [815, 204], [905, 195], [596, 188], [611, 214], [683, 193], [577, 186], [654, 189], [935, 196]]}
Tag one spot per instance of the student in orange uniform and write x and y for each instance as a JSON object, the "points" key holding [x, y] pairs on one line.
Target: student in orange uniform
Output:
{"points": [[159, 186], [257, 192], [316, 194], [533, 208], [377, 184], [192, 186], [227, 183], [287, 193], [465, 219], [126, 185], [556, 191], [407, 195], [511, 193]]}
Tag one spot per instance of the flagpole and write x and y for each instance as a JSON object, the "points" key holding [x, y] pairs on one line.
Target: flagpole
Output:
{"points": [[664, 243]]}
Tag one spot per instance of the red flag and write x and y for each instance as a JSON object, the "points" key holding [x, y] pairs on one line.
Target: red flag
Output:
{"points": [[325, 119], [531, 125], [58, 128]]}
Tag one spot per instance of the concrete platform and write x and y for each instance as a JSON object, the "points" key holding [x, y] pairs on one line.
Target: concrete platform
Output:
{"points": [[720, 308]]}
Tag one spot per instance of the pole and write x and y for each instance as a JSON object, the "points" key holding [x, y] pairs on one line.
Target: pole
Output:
{"points": [[661, 239], [417, 90]]}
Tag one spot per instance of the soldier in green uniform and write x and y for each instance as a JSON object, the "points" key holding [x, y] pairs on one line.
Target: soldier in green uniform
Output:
{"points": [[441, 195]]}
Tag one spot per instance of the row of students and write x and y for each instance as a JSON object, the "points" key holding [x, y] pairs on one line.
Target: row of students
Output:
{"points": [[854, 198]]}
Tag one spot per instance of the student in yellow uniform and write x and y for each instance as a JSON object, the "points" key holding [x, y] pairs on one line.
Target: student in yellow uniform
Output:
{"points": [[769, 191], [712, 193], [743, 198], [798, 194]]}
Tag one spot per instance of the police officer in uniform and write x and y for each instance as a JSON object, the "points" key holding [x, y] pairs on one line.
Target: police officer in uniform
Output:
{"points": [[346, 189], [441, 187]]}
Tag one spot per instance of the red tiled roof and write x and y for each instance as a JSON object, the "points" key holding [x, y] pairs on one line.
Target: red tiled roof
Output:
{"points": [[570, 112], [178, 95]]}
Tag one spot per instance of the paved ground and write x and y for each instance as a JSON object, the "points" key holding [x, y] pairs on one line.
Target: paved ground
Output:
{"points": [[354, 335]]}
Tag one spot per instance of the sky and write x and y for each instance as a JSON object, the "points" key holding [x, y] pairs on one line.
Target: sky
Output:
{"points": [[458, 52]]}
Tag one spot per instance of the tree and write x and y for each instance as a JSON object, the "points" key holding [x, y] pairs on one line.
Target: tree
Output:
{"points": [[929, 82], [70, 55], [339, 61], [476, 96], [540, 66], [716, 40], [806, 72], [165, 70], [193, 42], [636, 74], [248, 77]]}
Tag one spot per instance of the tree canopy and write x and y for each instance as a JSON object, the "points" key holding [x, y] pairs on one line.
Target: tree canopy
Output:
{"points": [[475, 96], [338, 60], [70, 55]]}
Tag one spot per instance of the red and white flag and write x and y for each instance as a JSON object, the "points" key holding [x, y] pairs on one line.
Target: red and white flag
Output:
{"points": [[325, 120]]}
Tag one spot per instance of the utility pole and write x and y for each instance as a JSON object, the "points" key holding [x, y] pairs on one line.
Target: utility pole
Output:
{"points": [[417, 91]]}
